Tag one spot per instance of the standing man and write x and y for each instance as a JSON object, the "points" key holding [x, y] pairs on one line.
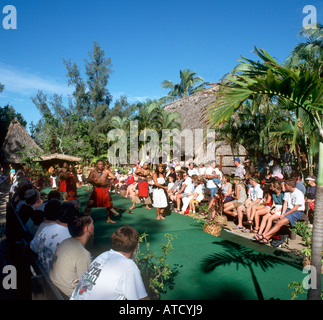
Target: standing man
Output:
{"points": [[239, 170], [100, 196], [142, 194], [214, 177], [113, 275]]}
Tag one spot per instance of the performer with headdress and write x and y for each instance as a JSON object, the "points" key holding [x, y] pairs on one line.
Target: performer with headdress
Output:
{"points": [[142, 189], [100, 196], [160, 189]]}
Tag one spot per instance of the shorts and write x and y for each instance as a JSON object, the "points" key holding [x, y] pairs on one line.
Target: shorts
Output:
{"points": [[293, 217]]}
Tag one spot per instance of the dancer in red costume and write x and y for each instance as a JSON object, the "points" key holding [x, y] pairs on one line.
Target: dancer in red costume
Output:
{"points": [[100, 196]]}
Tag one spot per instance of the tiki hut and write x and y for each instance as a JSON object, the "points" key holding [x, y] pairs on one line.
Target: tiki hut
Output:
{"points": [[194, 129], [47, 161], [17, 140]]}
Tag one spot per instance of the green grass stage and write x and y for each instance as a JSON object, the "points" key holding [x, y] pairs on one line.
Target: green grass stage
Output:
{"points": [[249, 271]]}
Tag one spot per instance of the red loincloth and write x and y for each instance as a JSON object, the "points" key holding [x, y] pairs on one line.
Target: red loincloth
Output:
{"points": [[71, 189], [62, 185], [101, 197], [143, 190]]}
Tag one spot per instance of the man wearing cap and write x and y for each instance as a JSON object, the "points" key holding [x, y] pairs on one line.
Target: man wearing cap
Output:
{"points": [[239, 170], [310, 193]]}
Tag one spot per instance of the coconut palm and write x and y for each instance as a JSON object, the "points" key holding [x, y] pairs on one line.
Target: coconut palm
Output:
{"points": [[189, 84], [293, 89]]}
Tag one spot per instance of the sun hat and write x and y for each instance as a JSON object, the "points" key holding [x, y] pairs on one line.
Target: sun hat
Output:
{"points": [[278, 175]]}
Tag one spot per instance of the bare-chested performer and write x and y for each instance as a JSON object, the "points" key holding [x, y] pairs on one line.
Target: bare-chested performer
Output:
{"points": [[142, 192], [100, 196]]}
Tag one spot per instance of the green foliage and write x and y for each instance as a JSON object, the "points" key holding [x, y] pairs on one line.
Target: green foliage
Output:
{"points": [[155, 270], [298, 288], [189, 84]]}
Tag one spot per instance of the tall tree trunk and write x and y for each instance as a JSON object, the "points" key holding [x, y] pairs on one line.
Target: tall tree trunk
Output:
{"points": [[317, 238]]}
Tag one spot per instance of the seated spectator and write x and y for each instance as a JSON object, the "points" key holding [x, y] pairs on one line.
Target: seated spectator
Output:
{"points": [[17, 199], [54, 194], [213, 178], [263, 208], [255, 197], [187, 199], [299, 184], [29, 209], [239, 197], [192, 170], [45, 244], [310, 194], [71, 258], [292, 210], [51, 214], [198, 193], [275, 211], [113, 275], [226, 188], [202, 170], [186, 189]]}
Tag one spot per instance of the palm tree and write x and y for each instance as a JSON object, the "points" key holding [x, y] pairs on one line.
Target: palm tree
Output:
{"points": [[293, 89], [309, 54], [189, 84]]}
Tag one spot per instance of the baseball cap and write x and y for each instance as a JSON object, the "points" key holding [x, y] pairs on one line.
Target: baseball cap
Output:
{"points": [[237, 159]]}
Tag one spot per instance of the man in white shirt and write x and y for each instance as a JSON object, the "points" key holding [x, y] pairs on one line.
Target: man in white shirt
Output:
{"points": [[292, 211], [191, 170], [214, 177], [45, 244], [113, 275], [185, 190], [255, 197]]}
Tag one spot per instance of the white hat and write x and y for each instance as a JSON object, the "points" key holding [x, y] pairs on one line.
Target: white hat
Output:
{"points": [[310, 178]]}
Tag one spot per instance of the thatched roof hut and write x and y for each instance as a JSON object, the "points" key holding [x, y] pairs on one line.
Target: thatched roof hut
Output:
{"points": [[57, 158], [17, 140], [191, 109]]}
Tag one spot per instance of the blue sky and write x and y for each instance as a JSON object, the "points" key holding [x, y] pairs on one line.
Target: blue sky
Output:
{"points": [[147, 41]]}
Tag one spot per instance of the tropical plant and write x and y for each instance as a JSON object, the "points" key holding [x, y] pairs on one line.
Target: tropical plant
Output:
{"points": [[189, 84], [158, 275], [293, 90]]}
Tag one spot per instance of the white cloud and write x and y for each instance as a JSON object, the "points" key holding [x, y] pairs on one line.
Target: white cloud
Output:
{"points": [[24, 82]]}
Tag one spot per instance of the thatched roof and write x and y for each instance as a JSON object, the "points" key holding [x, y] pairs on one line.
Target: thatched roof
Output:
{"points": [[57, 156], [191, 108], [17, 139]]}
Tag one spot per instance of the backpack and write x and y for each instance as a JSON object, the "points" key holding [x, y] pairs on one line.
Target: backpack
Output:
{"points": [[278, 240]]}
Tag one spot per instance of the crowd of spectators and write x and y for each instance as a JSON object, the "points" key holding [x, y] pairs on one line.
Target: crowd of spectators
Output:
{"points": [[259, 199]]}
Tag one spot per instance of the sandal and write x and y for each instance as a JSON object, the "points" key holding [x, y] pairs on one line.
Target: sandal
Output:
{"points": [[263, 241], [258, 237], [254, 231], [238, 228], [249, 223]]}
